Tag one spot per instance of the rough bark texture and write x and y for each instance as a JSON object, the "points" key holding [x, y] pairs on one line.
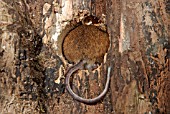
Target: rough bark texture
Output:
{"points": [[32, 66]]}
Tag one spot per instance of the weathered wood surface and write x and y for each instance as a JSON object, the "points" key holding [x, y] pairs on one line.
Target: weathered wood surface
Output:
{"points": [[32, 67]]}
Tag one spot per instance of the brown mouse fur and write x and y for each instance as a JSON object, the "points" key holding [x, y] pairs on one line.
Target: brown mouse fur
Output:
{"points": [[86, 42]]}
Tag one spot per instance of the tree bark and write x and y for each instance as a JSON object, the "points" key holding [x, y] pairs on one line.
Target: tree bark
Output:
{"points": [[32, 67]]}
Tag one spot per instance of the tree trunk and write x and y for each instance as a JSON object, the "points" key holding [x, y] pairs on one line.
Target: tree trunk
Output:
{"points": [[33, 67]]}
